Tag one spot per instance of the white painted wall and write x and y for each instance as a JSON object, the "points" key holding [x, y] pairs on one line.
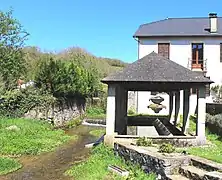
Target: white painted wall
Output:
{"points": [[181, 52]]}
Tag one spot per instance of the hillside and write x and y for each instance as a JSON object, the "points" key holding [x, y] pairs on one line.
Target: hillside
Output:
{"points": [[104, 66]]}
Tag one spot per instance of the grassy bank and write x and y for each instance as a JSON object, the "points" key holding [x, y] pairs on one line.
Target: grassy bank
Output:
{"points": [[26, 137], [97, 132], [212, 152], [96, 167], [95, 113], [30, 137], [8, 165]]}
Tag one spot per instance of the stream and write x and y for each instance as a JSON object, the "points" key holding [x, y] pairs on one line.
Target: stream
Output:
{"points": [[52, 165]]}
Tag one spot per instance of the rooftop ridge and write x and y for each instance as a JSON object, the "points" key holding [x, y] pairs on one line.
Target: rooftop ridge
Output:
{"points": [[170, 18]]}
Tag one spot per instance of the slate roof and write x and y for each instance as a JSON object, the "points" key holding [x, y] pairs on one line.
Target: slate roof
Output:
{"points": [[179, 27], [155, 68]]}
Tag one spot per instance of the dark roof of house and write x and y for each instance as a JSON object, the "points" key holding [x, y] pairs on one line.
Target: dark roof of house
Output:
{"points": [[156, 68], [179, 27]]}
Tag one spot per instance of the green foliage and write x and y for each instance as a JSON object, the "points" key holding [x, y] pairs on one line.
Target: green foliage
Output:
{"points": [[131, 111], [214, 123], [97, 132], [143, 141], [74, 123], [12, 37], [95, 111], [8, 165], [104, 66], [166, 148], [115, 62], [66, 79], [33, 137], [17, 102], [96, 167]]}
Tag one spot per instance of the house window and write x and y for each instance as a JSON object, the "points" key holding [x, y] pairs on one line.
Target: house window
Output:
{"points": [[164, 49], [197, 55], [220, 52]]}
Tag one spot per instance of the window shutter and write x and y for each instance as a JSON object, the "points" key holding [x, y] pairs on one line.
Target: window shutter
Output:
{"points": [[164, 49]]}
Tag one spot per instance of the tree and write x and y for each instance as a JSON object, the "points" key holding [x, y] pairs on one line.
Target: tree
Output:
{"points": [[12, 38]]}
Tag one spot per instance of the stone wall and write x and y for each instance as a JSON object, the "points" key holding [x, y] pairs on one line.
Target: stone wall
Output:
{"points": [[58, 114], [151, 162]]}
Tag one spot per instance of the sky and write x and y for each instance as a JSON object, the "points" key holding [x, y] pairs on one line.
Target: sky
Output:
{"points": [[102, 27]]}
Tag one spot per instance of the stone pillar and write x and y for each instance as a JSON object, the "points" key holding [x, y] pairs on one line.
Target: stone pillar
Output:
{"points": [[201, 115], [171, 107], [110, 110], [186, 110], [177, 107]]}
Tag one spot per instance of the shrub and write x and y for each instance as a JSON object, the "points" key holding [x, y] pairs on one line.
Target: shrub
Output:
{"points": [[214, 123], [166, 148], [143, 141], [16, 103]]}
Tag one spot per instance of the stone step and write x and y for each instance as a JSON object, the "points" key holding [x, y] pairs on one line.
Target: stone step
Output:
{"points": [[206, 164], [192, 172], [176, 177]]}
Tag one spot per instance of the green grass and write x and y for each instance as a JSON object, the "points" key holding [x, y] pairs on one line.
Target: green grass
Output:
{"points": [[96, 167], [97, 132], [96, 116], [95, 113], [214, 152], [8, 165], [33, 137]]}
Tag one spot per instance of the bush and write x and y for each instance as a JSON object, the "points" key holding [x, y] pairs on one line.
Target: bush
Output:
{"points": [[214, 123], [66, 78], [143, 141], [16, 103], [166, 148]]}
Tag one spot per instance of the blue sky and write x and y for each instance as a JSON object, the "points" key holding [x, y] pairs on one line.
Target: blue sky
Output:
{"points": [[103, 27]]}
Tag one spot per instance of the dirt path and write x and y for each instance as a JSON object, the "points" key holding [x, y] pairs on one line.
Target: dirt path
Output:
{"points": [[51, 166]]}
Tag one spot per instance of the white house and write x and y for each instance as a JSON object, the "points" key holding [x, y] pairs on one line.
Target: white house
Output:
{"points": [[195, 43]]}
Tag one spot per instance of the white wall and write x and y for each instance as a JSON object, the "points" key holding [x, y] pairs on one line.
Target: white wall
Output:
{"points": [[181, 52]]}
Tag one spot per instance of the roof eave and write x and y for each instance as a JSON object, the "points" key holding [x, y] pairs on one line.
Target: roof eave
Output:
{"points": [[178, 35]]}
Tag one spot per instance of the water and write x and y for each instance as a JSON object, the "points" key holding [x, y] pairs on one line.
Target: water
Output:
{"points": [[52, 165]]}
